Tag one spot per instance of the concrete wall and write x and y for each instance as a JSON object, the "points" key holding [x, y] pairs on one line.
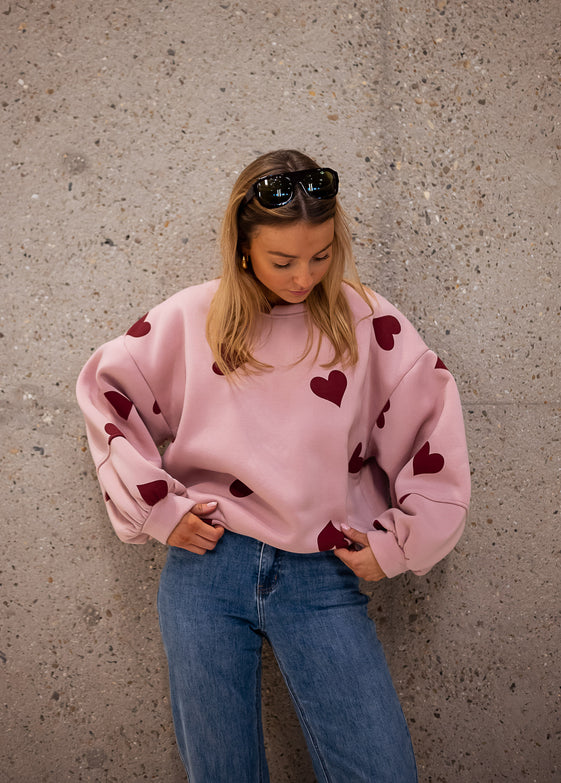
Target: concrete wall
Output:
{"points": [[123, 126]]}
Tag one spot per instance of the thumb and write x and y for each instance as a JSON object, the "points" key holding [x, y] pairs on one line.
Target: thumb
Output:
{"points": [[356, 536], [200, 509]]}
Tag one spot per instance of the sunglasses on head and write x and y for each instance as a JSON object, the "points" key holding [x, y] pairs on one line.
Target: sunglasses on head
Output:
{"points": [[276, 190]]}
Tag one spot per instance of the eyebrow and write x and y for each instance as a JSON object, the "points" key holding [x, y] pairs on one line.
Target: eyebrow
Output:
{"points": [[287, 255]]}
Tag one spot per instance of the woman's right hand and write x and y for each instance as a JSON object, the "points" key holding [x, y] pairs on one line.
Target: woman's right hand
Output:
{"points": [[193, 533]]}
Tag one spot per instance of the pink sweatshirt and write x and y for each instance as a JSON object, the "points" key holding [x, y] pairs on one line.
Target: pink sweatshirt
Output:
{"points": [[289, 454]]}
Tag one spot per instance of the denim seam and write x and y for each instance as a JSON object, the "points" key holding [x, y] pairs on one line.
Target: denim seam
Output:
{"points": [[258, 594], [263, 768], [304, 722]]}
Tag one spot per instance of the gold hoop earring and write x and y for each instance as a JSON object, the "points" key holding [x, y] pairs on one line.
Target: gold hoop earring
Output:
{"points": [[244, 262]]}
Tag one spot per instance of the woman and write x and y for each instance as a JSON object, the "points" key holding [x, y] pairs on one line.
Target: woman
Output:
{"points": [[313, 439]]}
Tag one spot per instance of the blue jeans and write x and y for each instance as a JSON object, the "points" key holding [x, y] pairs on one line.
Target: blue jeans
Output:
{"points": [[216, 609]]}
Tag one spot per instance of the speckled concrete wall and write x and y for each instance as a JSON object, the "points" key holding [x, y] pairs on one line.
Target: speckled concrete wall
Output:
{"points": [[123, 126]]}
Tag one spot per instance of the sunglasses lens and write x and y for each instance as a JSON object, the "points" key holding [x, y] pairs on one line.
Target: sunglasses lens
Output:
{"points": [[274, 191], [321, 183]]}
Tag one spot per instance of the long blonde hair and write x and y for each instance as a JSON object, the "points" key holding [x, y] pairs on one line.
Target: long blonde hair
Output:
{"points": [[240, 297]]}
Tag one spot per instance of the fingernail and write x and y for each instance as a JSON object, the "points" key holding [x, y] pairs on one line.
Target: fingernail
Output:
{"points": [[345, 527], [212, 503]]}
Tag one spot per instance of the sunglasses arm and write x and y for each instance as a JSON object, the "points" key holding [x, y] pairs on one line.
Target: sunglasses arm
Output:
{"points": [[248, 197]]}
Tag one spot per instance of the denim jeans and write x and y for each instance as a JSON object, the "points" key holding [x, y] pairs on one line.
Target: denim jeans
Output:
{"points": [[216, 609]]}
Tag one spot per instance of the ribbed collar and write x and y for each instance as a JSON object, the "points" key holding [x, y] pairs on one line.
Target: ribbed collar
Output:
{"points": [[283, 311]]}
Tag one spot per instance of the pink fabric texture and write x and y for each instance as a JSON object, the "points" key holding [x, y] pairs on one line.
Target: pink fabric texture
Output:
{"points": [[290, 453]]}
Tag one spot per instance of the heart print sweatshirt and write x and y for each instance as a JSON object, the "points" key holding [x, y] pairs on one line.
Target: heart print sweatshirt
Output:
{"points": [[290, 453]]}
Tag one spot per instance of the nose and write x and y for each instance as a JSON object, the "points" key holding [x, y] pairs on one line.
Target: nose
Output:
{"points": [[303, 278]]}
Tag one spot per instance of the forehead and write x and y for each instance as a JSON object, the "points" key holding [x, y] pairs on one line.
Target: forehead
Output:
{"points": [[295, 238]]}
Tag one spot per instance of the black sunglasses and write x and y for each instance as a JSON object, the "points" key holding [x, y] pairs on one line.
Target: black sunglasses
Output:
{"points": [[276, 190]]}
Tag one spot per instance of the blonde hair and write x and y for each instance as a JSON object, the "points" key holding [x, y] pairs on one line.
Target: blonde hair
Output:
{"points": [[240, 297]]}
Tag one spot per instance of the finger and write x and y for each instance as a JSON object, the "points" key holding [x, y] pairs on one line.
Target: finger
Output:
{"points": [[363, 564], [205, 528], [198, 544], [355, 535], [200, 509], [343, 555], [196, 550], [352, 558], [201, 547], [209, 536]]}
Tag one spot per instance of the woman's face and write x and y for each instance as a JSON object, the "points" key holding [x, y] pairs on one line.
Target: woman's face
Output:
{"points": [[289, 261]]}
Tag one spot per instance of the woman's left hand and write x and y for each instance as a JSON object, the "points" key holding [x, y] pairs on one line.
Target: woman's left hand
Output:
{"points": [[361, 561]]}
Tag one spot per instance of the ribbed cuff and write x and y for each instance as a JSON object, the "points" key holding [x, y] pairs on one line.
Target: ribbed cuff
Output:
{"points": [[166, 515]]}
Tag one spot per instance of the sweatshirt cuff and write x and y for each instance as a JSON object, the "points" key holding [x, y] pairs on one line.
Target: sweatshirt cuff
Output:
{"points": [[429, 535], [166, 515], [387, 552]]}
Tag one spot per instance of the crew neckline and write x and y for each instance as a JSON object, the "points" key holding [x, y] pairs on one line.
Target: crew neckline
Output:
{"points": [[286, 310]]}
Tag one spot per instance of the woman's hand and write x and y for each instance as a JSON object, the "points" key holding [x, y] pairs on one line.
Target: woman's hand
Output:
{"points": [[361, 561], [193, 533]]}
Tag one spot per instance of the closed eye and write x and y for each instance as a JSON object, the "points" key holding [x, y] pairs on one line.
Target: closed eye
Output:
{"points": [[318, 259]]}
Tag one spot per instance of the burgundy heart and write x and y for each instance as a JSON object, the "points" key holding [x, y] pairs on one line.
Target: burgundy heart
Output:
{"points": [[113, 432], [403, 498], [331, 388], [153, 491], [140, 328], [440, 364], [156, 408], [384, 328], [381, 420], [216, 369], [330, 537], [355, 462], [122, 404], [378, 526], [239, 489], [425, 462]]}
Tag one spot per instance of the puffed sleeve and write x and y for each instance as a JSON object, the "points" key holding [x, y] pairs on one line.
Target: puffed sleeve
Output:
{"points": [[419, 442], [125, 426]]}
